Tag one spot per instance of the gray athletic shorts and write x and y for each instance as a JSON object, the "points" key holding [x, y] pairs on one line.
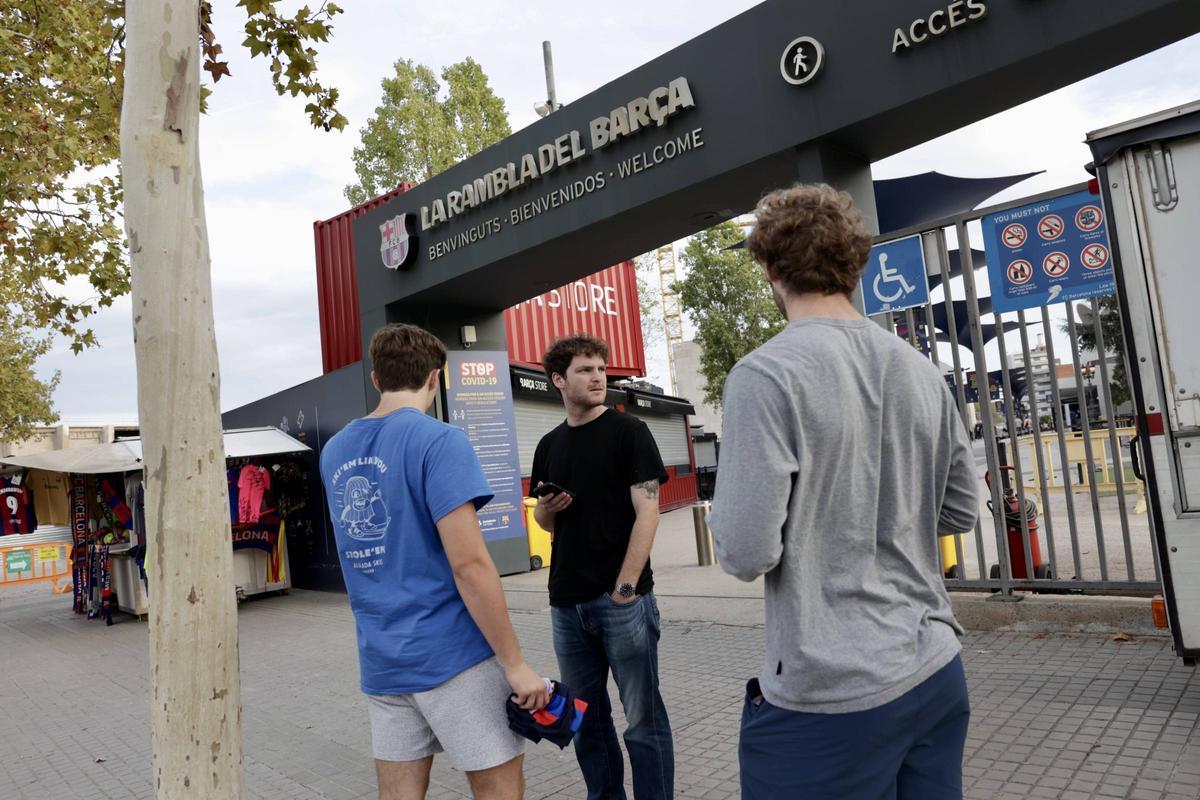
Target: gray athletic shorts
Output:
{"points": [[464, 718]]}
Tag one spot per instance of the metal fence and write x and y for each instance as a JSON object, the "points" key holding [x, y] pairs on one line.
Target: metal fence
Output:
{"points": [[1071, 461]]}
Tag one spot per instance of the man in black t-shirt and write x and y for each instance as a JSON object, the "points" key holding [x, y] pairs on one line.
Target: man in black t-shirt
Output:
{"points": [[604, 613]]}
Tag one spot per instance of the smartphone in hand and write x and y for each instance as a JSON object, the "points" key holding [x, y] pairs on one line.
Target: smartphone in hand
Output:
{"points": [[550, 488]]}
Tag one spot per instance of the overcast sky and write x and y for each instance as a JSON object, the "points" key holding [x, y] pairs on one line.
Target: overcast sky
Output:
{"points": [[268, 175]]}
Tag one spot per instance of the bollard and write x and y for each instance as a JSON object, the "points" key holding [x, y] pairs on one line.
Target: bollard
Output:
{"points": [[704, 539]]}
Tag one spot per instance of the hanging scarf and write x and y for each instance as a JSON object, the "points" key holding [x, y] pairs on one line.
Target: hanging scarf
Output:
{"points": [[116, 504], [275, 571], [259, 535], [79, 536], [108, 598]]}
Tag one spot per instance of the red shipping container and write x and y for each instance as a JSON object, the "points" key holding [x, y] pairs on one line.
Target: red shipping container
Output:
{"points": [[603, 305], [337, 283]]}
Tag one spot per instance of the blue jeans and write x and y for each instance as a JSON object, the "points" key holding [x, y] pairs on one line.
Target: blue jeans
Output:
{"points": [[908, 749], [590, 639]]}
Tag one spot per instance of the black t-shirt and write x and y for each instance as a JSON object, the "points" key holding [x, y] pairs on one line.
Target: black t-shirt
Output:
{"points": [[598, 462]]}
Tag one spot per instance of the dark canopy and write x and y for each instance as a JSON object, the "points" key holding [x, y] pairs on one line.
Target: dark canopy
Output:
{"points": [[910, 201]]}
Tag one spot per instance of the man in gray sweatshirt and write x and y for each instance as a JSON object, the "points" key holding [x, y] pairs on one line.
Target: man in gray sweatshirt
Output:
{"points": [[843, 460]]}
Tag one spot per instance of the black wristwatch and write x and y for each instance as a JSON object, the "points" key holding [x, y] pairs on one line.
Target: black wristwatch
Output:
{"points": [[625, 590]]}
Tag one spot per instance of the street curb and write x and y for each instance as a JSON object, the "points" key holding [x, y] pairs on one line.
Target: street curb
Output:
{"points": [[975, 611], [1056, 614]]}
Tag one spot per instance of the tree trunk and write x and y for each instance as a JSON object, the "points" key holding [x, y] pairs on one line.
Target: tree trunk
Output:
{"points": [[195, 696]]}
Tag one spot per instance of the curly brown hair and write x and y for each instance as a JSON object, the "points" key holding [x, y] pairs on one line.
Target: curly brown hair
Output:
{"points": [[560, 355], [811, 238], [404, 355]]}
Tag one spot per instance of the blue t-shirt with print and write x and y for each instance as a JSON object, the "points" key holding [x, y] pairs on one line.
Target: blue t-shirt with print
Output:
{"points": [[388, 481]]}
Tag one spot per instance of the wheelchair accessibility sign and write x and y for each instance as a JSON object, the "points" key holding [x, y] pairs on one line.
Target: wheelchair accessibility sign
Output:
{"points": [[895, 276]]}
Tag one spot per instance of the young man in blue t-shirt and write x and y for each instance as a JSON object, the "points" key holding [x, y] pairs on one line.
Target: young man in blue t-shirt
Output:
{"points": [[437, 653]]}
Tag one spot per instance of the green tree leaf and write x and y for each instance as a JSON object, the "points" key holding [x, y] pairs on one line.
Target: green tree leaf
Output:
{"points": [[60, 97], [61, 87], [416, 133], [25, 401], [728, 299], [293, 63], [1109, 309]]}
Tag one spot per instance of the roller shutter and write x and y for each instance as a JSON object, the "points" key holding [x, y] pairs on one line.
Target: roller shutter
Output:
{"points": [[671, 435], [535, 418]]}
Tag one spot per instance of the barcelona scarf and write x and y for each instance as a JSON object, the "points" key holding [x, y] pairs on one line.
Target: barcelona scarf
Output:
{"points": [[116, 504], [259, 535], [79, 536], [265, 536]]}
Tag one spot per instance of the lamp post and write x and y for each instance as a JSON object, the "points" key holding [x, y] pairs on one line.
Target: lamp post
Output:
{"points": [[551, 103], [1088, 371]]}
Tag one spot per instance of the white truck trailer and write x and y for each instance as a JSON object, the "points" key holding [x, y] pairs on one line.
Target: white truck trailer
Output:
{"points": [[1149, 173]]}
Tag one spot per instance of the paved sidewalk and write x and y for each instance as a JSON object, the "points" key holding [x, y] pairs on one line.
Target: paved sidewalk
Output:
{"points": [[1067, 717]]}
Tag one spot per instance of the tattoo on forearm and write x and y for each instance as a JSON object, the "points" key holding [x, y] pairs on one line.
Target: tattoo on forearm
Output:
{"points": [[650, 488]]}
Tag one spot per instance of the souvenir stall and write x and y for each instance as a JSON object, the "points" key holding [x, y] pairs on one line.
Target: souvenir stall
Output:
{"points": [[34, 537], [104, 507]]}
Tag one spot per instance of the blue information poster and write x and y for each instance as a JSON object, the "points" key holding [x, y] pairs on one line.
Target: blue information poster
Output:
{"points": [[1048, 252], [479, 400]]}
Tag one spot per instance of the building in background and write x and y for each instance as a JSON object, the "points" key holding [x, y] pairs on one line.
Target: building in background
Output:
{"points": [[1076, 402], [60, 437], [1038, 374], [690, 382]]}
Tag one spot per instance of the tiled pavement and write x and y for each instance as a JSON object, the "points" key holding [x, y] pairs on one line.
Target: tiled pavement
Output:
{"points": [[1067, 717]]}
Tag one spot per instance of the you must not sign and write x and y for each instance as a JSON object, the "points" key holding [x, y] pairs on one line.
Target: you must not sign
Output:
{"points": [[1071, 247]]}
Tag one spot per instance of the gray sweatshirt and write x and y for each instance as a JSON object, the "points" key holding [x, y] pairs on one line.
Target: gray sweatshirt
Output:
{"points": [[843, 457]]}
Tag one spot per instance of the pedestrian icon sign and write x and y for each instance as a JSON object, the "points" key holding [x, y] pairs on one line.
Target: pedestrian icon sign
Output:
{"points": [[802, 60], [799, 63], [895, 277]]}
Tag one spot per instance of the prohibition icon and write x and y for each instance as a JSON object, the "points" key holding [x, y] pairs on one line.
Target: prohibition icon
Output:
{"points": [[1088, 218], [1014, 235], [1094, 256], [1050, 226], [1056, 264], [1020, 271]]}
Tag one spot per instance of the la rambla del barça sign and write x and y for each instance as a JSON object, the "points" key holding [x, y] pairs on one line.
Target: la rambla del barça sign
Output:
{"points": [[653, 110]]}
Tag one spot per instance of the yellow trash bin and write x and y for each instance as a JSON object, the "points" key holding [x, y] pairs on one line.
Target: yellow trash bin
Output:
{"points": [[950, 556], [539, 538]]}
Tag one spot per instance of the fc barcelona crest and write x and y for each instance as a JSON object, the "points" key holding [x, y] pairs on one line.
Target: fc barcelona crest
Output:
{"points": [[396, 245]]}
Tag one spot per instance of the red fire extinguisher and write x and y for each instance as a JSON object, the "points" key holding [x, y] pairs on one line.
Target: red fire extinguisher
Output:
{"points": [[1013, 513]]}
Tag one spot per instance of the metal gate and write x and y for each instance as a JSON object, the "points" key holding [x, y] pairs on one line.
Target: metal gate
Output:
{"points": [[1071, 459]]}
